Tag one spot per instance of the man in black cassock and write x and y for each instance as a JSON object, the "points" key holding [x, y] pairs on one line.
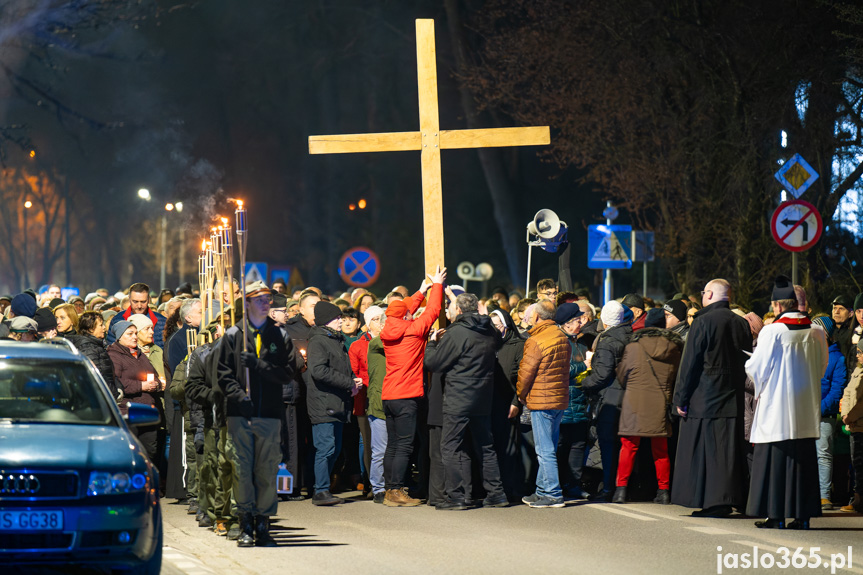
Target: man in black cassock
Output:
{"points": [[710, 468]]}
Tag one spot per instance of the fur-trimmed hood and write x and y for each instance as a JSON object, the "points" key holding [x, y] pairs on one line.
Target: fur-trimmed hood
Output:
{"points": [[657, 342]]}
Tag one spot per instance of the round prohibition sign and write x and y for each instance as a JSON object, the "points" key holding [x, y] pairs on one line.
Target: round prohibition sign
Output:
{"points": [[360, 267], [796, 225]]}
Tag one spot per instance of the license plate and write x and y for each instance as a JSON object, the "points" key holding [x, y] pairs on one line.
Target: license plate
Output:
{"points": [[31, 520]]}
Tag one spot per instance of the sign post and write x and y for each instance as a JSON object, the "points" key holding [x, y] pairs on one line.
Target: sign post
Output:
{"points": [[796, 175], [643, 250]]}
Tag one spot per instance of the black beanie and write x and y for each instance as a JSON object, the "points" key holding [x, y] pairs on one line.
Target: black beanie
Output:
{"points": [[325, 312], [280, 300], [655, 318], [676, 308], [45, 319], [858, 302], [633, 300]]}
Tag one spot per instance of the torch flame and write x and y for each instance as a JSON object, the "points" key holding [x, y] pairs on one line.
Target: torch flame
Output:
{"points": [[239, 204], [203, 245], [225, 222]]}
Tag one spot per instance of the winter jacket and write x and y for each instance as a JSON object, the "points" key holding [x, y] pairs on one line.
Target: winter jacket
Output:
{"points": [[852, 401], [358, 353], [506, 369], [602, 378], [833, 382], [576, 411], [543, 376], [639, 323], [405, 342], [299, 332], [466, 354], [202, 388], [262, 395], [176, 349], [130, 371], [646, 373], [377, 363], [329, 395], [94, 348], [711, 375], [158, 326]]}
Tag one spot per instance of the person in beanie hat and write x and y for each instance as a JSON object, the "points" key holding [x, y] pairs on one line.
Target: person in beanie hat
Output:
{"points": [[5, 301], [329, 395], [46, 323], [23, 329], [786, 368], [832, 386], [655, 318], [636, 303], [23, 305], [675, 317], [253, 360]]}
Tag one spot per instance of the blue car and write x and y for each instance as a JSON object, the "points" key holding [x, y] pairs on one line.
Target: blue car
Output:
{"points": [[76, 486]]}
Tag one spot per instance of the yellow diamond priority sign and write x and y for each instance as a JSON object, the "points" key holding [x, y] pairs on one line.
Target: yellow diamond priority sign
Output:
{"points": [[796, 175]]}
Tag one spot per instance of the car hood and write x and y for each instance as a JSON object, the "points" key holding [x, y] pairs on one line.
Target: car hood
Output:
{"points": [[53, 446]]}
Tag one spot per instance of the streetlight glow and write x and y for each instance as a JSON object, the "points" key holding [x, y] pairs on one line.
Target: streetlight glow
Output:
{"points": [[169, 207], [361, 204], [28, 204], [179, 207], [144, 194]]}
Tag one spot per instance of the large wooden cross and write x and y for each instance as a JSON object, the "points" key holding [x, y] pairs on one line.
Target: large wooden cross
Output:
{"points": [[429, 140]]}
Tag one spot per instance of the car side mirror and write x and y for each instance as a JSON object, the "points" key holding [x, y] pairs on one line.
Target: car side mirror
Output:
{"points": [[141, 415]]}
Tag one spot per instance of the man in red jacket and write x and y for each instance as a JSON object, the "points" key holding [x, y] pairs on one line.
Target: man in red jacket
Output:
{"points": [[404, 340]]}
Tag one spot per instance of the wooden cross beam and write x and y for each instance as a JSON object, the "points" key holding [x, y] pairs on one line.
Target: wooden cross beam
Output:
{"points": [[429, 140]]}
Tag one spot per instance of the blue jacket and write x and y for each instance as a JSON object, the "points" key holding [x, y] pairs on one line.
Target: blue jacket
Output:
{"points": [[577, 410], [158, 327], [834, 380]]}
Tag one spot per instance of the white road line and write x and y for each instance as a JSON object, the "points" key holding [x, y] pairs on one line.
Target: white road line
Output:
{"points": [[656, 514], [712, 530], [746, 543], [616, 511]]}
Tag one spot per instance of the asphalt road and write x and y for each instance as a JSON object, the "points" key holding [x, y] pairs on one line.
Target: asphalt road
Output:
{"points": [[362, 537]]}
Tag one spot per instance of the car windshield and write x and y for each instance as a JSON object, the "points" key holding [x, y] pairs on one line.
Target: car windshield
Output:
{"points": [[51, 391]]}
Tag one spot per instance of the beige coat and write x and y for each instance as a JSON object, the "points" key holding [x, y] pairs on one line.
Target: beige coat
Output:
{"points": [[852, 401]]}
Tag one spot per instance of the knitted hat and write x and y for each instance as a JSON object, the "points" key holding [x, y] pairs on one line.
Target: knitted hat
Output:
{"points": [[842, 300], [325, 312], [783, 289], [676, 308], [566, 312], [45, 320], [612, 314], [120, 328], [755, 323], [55, 302], [184, 287], [22, 324], [655, 318], [858, 302], [860, 344], [23, 305], [140, 321], [397, 308], [828, 325], [633, 300], [280, 301], [371, 313]]}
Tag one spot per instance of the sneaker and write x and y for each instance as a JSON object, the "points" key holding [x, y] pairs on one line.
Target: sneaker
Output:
{"points": [[326, 498], [379, 497], [399, 498], [542, 502], [496, 501], [826, 505], [528, 499], [451, 505], [221, 527]]}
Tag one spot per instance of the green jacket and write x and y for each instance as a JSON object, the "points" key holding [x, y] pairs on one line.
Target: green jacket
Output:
{"points": [[377, 370]]}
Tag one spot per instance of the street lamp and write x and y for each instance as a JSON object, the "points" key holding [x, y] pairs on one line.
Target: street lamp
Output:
{"points": [[27, 205], [144, 194]]}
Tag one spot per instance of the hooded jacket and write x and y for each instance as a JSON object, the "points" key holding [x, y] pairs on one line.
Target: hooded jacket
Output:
{"points": [[130, 371], [833, 382], [405, 343], [646, 373], [506, 369], [543, 376], [329, 395], [465, 354]]}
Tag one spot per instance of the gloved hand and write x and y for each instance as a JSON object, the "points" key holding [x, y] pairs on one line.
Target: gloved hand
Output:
{"points": [[246, 408], [199, 446], [249, 359]]}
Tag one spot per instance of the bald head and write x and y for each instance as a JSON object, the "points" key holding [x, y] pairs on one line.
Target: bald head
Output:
{"points": [[716, 290]]}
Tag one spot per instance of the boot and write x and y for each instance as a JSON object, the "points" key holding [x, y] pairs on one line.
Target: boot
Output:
{"points": [[233, 532], [398, 498], [193, 506], [247, 531], [855, 506], [262, 532], [221, 527], [619, 495], [663, 497]]}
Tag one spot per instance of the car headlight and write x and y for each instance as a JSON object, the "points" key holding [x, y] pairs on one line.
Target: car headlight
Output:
{"points": [[107, 483]]}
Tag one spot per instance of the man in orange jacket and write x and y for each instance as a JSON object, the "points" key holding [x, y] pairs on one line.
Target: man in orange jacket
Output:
{"points": [[404, 340]]}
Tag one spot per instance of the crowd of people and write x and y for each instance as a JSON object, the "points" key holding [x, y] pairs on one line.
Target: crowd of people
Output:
{"points": [[509, 400]]}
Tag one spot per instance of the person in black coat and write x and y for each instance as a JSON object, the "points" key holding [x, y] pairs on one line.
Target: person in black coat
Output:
{"points": [[505, 406], [710, 469], [466, 355], [330, 395], [91, 343], [602, 381]]}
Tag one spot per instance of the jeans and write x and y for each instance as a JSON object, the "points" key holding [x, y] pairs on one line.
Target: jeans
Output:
{"points": [[328, 443], [401, 427], [379, 446], [609, 443], [546, 431], [824, 445]]}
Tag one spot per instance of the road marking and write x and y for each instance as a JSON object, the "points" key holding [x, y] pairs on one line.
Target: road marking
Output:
{"points": [[660, 515], [185, 562], [614, 510], [746, 543], [711, 530]]}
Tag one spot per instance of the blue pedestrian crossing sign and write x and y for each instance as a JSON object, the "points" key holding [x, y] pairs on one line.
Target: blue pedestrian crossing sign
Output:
{"points": [[609, 247], [256, 272], [360, 267]]}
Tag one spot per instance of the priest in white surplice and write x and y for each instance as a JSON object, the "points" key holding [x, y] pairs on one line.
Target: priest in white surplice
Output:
{"points": [[786, 368]]}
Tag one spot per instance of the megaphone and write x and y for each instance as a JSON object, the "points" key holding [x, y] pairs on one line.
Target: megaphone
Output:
{"points": [[484, 271], [545, 224], [465, 270]]}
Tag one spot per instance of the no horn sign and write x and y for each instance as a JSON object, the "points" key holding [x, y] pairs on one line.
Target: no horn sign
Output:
{"points": [[359, 267]]}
